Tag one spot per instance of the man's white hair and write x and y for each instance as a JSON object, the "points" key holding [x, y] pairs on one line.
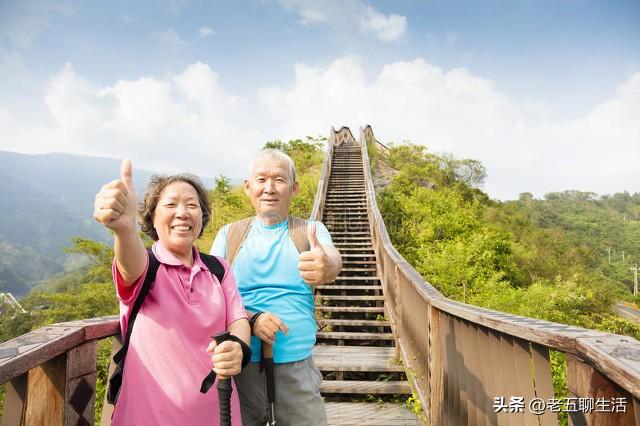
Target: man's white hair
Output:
{"points": [[271, 154]]}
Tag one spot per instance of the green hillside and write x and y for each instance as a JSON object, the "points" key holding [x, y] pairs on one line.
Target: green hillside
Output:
{"points": [[545, 259]]}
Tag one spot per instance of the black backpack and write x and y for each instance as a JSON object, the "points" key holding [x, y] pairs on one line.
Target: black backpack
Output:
{"points": [[115, 381]]}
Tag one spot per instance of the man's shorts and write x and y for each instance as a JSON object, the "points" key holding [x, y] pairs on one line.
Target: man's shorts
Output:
{"points": [[298, 399]]}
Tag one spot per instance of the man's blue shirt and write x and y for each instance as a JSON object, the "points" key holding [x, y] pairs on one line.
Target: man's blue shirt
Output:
{"points": [[266, 270]]}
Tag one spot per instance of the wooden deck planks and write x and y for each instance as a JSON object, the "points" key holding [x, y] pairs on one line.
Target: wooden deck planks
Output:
{"points": [[362, 413], [355, 358]]}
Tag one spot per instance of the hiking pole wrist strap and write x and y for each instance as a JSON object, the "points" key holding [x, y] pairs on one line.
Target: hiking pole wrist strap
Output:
{"points": [[246, 357], [253, 319]]}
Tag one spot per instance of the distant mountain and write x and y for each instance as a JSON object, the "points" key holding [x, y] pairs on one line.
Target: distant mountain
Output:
{"points": [[47, 200]]}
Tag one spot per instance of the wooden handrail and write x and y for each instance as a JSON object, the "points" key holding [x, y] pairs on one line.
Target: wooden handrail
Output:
{"points": [[50, 373], [601, 365]]}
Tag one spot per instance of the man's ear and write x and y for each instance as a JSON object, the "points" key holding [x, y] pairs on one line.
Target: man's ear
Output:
{"points": [[246, 185], [295, 189]]}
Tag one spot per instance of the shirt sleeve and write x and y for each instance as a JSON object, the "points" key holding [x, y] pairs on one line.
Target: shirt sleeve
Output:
{"points": [[127, 294], [233, 301], [219, 246], [323, 234]]}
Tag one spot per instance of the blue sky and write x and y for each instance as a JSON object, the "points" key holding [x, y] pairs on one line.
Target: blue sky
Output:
{"points": [[546, 94]]}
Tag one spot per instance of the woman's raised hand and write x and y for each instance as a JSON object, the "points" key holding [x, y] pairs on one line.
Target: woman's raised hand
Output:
{"points": [[115, 204]]}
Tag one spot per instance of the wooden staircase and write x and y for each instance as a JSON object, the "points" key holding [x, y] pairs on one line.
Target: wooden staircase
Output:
{"points": [[355, 346]]}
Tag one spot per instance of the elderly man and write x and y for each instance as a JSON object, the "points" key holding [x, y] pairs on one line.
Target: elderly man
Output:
{"points": [[277, 258]]}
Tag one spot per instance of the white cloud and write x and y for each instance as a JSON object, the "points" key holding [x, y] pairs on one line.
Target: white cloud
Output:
{"points": [[342, 16], [386, 28], [455, 111], [22, 21], [182, 122], [205, 32], [126, 19], [168, 39], [188, 121]]}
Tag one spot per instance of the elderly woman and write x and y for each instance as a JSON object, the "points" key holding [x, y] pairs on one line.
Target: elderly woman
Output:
{"points": [[170, 350]]}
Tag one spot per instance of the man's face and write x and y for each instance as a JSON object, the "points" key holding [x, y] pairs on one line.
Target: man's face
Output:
{"points": [[270, 189]]}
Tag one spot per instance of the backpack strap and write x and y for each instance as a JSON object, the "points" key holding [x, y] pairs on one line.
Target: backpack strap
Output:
{"points": [[154, 264], [238, 232], [298, 233], [115, 381], [214, 265]]}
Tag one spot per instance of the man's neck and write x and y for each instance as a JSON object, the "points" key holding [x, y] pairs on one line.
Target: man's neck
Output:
{"points": [[271, 219]]}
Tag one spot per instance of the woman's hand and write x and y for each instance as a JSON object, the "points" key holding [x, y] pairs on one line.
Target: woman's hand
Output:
{"points": [[115, 204], [226, 358]]}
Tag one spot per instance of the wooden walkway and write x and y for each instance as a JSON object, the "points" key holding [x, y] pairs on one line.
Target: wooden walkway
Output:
{"points": [[355, 349]]}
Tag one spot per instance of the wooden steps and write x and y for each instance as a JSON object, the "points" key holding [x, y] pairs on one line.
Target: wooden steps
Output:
{"points": [[355, 350], [362, 413], [365, 387]]}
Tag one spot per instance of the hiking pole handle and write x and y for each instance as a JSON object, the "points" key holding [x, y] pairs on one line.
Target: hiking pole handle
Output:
{"points": [[224, 387]]}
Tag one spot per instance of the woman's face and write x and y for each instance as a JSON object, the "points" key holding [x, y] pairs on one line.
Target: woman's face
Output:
{"points": [[178, 218]]}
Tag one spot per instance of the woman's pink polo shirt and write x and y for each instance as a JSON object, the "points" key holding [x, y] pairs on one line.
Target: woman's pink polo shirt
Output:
{"points": [[167, 357]]}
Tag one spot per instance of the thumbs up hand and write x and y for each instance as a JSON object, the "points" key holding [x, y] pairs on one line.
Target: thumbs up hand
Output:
{"points": [[314, 264], [115, 204]]}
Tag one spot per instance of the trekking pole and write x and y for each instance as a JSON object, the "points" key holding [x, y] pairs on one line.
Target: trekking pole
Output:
{"points": [[224, 388], [269, 369]]}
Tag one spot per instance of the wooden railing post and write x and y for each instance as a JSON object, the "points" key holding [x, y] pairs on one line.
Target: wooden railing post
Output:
{"points": [[398, 309], [80, 392], [61, 391], [584, 381], [436, 370], [45, 393], [15, 397]]}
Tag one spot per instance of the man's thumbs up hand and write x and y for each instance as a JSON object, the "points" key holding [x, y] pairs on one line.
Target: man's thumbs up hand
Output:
{"points": [[115, 204], [314, 263]]}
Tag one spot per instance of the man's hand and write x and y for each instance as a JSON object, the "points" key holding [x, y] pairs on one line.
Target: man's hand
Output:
{"points": [[314, 264], [266, 326], [226, 358], [115, 204]]}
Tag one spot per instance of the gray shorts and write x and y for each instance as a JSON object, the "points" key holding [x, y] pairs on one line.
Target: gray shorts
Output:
{"points": [[298, 399]]}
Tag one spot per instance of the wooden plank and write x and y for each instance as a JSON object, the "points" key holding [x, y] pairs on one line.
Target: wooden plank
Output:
{"points": [[51, 342], [543, 381], [509, 386], [355, 358], [452, 395], [360, 413], [348, 287], [15, 396], [476, 400], [364, 387], [524, 377], [45, 393], [617, 357], [462, 372], [329, 298], [353, 335], [374, 309], [489, 369], [358, 322], [80, 384], [436, 377], [584, 381]]}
